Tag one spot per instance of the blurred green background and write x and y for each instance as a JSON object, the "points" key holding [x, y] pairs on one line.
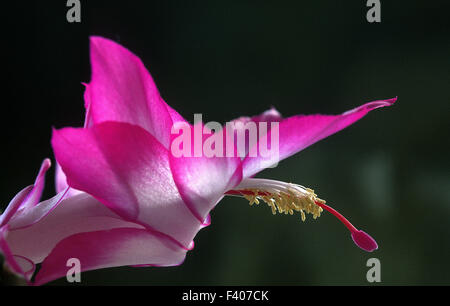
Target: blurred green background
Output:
{"points": [[388, 173]]}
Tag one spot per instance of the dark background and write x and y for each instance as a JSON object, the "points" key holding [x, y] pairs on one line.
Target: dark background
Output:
{"points": [[389, 173]]}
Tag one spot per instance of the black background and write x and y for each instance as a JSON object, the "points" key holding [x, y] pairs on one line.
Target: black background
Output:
{"points": [[389, 173]]}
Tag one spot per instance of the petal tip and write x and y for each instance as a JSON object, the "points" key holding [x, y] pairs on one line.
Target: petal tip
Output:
{"points": [[93, 39], [46, 164], [392, 100], [381, 103]]}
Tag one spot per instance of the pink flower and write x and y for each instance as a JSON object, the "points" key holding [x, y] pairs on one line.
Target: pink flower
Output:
{"points": [[131, 201], [124, 159]]}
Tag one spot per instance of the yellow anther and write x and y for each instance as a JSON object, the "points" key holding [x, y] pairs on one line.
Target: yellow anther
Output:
{"points": [[286, 201], [303, 215]]}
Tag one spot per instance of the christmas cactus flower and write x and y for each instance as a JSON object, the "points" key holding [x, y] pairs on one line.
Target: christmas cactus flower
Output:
{"points": [[125, 159], [126, 196]]}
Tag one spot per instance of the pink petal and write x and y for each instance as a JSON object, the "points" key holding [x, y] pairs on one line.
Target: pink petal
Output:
{"points": [[77, 214], [35, 194], [122, 90], [240, 125], [11, 261], [27, 266], [14, 205], [87, 105], [270, 115], [127, 169], [113, 248], [28, 216], [39, 183], [28, 197], [25, 200], [203, 180], [60, 179], [299, 132], [61, 182]]}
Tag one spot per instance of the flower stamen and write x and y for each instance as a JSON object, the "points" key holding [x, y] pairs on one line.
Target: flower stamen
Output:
{"points": [[281, 197], [286, 198]]}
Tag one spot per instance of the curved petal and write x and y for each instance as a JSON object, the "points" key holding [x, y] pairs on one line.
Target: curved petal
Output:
{"points": [[60, 179], [122, 90], [14, 205], [241, 128], [174, 115], [77, 214], [27, 266], [203, 180], [61, 182], [299, 132], [128, 170], [11, 261], [87, 105], [31, 215], [113, 248], [35, 195], [28, 197]]}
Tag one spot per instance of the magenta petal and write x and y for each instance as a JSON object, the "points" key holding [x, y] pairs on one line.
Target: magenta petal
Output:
{"points": [[87, 105], [25, 243], [35, 194], [203, 180], [27, 266], [61, 182], [113, 248], [18, 264], [31, 215], [174, 115], [241, 123], [28, 197], [122, 90], [14, 205], [39, 183], [10, 260], [60, 179], [77, 214], [299, 132], [270, 115], [127, 169]]}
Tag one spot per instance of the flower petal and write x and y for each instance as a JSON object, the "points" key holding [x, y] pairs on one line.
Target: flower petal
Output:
{"points": [[128, 170], [11, 261], [203, 180], [31, 215], [106, 240], [122, 90], [240, 125], [14, 205], [27, 266], [77, 214], [299, 132], [28, 197], [35, 194], [61, 182], [113, 248]]}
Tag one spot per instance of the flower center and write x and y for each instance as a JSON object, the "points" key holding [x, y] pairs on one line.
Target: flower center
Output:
{"points": [[287, 198]]}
